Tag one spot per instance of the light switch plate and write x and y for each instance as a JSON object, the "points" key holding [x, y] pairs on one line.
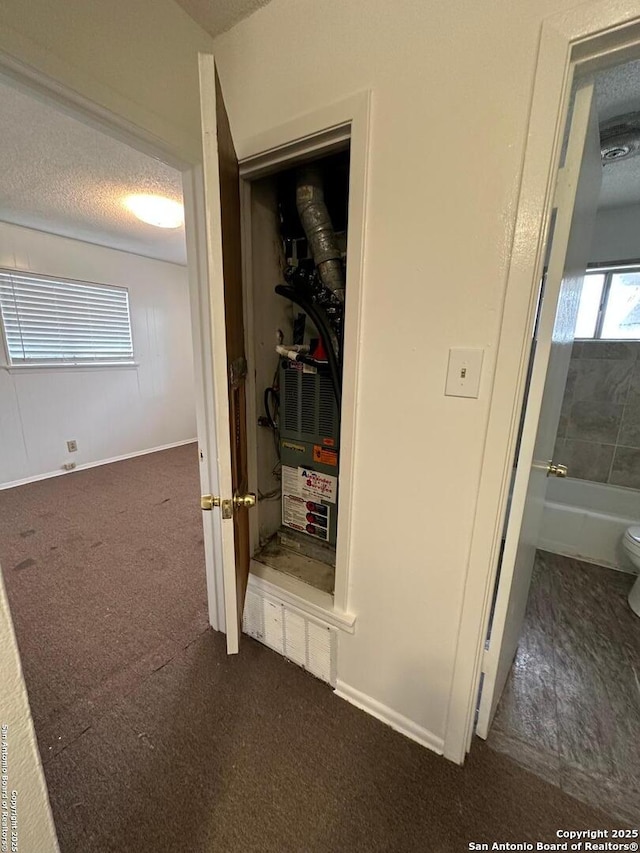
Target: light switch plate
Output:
{"points": [[463, 373]]}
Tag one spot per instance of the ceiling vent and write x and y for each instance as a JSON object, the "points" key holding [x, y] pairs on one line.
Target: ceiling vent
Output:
{"points": [[620, 138]]}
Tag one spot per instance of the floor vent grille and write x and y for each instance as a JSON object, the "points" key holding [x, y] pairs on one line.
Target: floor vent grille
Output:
{"points": [[290, 633]]}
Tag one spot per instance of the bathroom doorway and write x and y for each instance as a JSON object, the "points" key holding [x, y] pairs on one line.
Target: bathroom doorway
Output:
{"points": [[567, 704]]}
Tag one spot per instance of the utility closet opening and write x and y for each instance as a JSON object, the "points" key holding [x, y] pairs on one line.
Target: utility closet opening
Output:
{"points": [[295, 312]]}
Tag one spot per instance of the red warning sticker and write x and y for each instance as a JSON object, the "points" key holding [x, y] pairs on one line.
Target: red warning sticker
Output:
{"points": [[326, 457]]}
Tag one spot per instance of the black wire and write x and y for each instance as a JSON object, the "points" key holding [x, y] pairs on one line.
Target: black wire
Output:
{"points": [[324, 330], [271, 418]]}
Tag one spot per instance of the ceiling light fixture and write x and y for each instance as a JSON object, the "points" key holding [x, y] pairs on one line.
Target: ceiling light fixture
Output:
{"points": [[156, 210]]}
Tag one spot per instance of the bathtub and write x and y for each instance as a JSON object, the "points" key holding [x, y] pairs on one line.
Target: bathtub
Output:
{"points": [[587, 520]]}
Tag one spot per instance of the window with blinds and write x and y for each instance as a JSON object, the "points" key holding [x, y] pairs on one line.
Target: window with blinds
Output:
{"points": [[51, 320]]}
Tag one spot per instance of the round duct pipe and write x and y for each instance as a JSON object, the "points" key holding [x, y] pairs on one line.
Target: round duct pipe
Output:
{"points": [[620, 138], [319, 230]]}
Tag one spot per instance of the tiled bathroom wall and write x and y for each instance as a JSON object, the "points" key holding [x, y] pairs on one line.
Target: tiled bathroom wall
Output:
{"points": [[599, 432]]}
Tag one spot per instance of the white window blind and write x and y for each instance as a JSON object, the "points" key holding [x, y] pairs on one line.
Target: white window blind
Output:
{"points": [[610, 303], [51, 320]]}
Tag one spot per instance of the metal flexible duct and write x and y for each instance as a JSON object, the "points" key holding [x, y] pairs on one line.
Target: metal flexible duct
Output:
{"points": [[620, 138], [319, 230]]}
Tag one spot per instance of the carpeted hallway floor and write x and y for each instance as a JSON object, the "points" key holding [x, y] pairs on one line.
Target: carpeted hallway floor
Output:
{"points": [[154, 740], [104, 570]]}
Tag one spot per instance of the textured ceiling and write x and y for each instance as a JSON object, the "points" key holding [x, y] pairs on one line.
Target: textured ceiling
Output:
{"points": [[618, 92], [216, 16], [62, 176]]}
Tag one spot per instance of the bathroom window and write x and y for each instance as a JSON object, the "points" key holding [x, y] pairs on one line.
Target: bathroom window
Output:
{"points": [[57, 321], [610, 305]]}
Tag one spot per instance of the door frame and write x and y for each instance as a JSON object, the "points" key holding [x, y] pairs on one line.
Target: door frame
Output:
{"points": [[583, 40], [44, 87], [316, 134]]}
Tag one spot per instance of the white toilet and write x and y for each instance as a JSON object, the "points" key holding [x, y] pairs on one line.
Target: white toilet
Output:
{"points": [[631, 544]]}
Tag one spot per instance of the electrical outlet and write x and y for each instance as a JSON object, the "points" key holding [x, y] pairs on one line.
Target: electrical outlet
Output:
{"points": [[72, 446], [69, 466]]}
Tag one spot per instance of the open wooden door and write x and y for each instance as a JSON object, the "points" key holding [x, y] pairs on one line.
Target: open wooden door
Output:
{"points": [[224, 261], [576, 202]]}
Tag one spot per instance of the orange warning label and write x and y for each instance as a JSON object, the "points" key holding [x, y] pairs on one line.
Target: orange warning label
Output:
{"points": [[328, 442], [326, 457]]}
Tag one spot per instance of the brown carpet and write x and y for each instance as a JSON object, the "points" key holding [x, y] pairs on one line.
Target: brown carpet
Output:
{"points": [[104, 571], [154, 740]]}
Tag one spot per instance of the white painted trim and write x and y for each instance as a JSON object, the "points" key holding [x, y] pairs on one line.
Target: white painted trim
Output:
{"points": [[250, 355], [297, 151], [359, 108], [195, 232], [213, 273], [392, 718], [289, 591], [328, 126], [575, 203], [307, 136], [67, 100], [590, 36], [83, 466]]}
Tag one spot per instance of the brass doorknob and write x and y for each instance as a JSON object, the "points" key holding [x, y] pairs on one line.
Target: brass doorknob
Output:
{"points": [[247, 500], [556, 470], [209, 501]]}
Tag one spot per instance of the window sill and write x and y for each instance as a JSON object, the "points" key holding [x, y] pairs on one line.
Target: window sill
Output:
{"points": [[104, 365]]}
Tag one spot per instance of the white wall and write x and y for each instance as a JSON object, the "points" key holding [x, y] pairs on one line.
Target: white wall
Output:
{"points": [[110, 412], [138, 60], [35, 823], [135, 58], [451, 86], [616, 236]]}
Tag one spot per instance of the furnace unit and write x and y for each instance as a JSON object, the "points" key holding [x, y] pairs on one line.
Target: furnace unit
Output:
{"points": [[298, 327], [309, 448]]}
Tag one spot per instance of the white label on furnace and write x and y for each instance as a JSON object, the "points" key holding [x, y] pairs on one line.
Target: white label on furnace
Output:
{"points": [[306, 483], [296, 514], [320, 486], [290, 481]]}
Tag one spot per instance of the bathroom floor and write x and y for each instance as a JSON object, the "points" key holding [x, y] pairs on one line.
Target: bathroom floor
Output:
{"points": [[570, 711]]}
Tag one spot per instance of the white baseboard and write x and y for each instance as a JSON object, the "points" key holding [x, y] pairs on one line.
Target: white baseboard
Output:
{"points": [[392, 718], [85, 465]]}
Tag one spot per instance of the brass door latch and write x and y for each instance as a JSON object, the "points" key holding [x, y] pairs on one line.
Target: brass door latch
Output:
{"points": [[556, 470], [246, 501], [207, 502]]}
